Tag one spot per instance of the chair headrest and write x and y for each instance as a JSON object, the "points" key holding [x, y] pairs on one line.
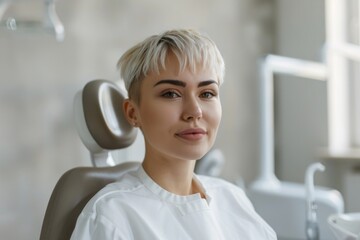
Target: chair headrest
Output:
{"points": [[99, 117]]}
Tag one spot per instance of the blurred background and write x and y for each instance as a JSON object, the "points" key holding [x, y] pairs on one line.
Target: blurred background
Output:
{"points": [[39, 77]]}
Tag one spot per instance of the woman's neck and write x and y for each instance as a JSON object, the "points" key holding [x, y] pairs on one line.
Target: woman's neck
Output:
{"points": [[175, 176]]}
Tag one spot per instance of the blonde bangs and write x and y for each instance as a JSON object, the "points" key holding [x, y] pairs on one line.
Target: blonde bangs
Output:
{"points": [[190, 48]]}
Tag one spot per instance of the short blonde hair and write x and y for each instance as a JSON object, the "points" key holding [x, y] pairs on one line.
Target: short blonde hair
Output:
{"points": [[190, 48]]}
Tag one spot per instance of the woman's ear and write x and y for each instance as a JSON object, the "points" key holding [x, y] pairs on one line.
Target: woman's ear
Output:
{"points": [[131, 113]]}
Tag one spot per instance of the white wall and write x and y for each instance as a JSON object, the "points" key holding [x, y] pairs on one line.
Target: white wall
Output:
{"points": [[39, 77]]}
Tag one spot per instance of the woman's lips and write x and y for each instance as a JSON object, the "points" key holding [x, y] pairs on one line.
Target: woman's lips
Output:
{"points": [[191, 134]]}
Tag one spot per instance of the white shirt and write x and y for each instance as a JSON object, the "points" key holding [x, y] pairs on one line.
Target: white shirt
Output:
{"points": [[137, 208]]}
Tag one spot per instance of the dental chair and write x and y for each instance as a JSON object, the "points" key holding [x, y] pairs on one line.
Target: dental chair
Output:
{"points": [[102, 127]]}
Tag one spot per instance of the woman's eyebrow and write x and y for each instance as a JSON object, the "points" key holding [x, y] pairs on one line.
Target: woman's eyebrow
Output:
{"points": [[171, 81], [183, 84], [207, 82]]}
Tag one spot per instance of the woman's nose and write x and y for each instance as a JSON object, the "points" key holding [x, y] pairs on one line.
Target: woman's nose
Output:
{"points": [[192, 110]]}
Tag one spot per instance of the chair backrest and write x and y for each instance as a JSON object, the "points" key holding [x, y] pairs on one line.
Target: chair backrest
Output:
{"points": [[102, 127], [99, 119], [70, 195]]}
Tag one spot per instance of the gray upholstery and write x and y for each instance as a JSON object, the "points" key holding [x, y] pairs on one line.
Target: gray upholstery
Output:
{"points": [[71, 193], [103, 111], [99, 118]]}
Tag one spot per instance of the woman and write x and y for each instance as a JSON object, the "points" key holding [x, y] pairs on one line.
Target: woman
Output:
{"points": [[173, 82]]}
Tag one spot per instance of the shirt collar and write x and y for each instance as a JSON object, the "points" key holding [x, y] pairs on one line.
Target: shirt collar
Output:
{"points": [[166, 195]]}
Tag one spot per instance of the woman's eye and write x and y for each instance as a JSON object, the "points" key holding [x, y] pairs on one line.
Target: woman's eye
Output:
{"points": [[170, 94], [207, 95]]}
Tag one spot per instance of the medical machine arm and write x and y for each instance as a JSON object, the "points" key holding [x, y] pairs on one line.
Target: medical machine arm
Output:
{"points": [[312, 228]]}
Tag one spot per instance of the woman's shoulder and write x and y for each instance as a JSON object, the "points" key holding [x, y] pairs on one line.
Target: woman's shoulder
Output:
{"points": [[115, 191]]}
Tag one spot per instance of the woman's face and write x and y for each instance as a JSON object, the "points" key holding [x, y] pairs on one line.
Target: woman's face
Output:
{"points": [[179, 112]]}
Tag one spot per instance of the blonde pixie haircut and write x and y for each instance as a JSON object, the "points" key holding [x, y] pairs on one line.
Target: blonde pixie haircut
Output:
{"points": [[190, 48]]}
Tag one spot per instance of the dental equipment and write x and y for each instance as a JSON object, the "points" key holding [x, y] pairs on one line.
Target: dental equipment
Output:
{"points": [[50, 24], [268, 193], [270, 65], [312, 227], [278, 201], [345, 226]]}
